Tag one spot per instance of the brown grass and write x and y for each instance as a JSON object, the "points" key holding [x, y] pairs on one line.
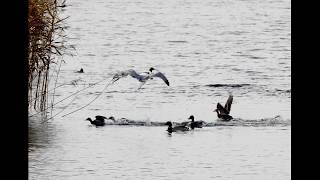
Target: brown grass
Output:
{"points": [[46, 43]]}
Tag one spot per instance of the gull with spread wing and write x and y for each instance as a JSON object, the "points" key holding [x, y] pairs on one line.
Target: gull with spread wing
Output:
{"points": [[142, 77]]}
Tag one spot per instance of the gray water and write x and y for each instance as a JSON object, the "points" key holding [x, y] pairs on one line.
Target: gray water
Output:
{"points": [[207, 49]]}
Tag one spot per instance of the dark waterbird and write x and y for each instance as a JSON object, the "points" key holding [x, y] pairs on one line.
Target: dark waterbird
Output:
{"points": [[112, 118], [80, 71], [99, 121], [223, 112], [176, 128], [195, 124]]}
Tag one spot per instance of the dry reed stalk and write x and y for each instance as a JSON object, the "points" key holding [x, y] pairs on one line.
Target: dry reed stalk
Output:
{"points": [[46, 43]]}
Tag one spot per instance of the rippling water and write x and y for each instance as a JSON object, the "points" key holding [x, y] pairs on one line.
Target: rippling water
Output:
{"points": [[207, 49]]}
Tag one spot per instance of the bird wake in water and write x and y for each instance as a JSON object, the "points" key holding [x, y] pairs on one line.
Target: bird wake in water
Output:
{"points": [[272, 121]]}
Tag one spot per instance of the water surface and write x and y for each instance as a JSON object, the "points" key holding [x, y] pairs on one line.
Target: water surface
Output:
{"points": [[207, 49]]}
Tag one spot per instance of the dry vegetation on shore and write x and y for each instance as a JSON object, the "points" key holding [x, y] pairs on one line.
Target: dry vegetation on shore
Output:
{"points": [[46, 47]]}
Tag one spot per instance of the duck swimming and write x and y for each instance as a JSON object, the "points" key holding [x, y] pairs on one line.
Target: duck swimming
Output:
{"points": [[142, 77], [176, 128], [99, 121], [223, 112], [100, 118], [80, 71], [195, 124]]}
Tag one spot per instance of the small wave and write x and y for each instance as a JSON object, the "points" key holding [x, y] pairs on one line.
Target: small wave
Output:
{"points": [[283, 90], [89, 54], [257, 57], [136, 51], [279, 91], [234, 32], [179, 55], [227, 85], [177, 41]]}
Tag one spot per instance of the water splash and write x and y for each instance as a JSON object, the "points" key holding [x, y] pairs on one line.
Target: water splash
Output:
{"points": [[273, 121]]}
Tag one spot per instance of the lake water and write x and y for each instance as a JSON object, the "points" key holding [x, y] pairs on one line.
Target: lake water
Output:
{"points": [[207, 49]]}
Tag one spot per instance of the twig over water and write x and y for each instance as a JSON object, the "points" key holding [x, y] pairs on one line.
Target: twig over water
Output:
{"points": [[68, 97], [107, 85]]}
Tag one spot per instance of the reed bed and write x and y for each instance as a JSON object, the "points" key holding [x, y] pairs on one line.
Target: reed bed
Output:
{"points": [[47, 45]]}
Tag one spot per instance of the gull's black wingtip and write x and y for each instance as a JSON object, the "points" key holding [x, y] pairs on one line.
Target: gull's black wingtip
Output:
{"points": [[167, 82]]}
